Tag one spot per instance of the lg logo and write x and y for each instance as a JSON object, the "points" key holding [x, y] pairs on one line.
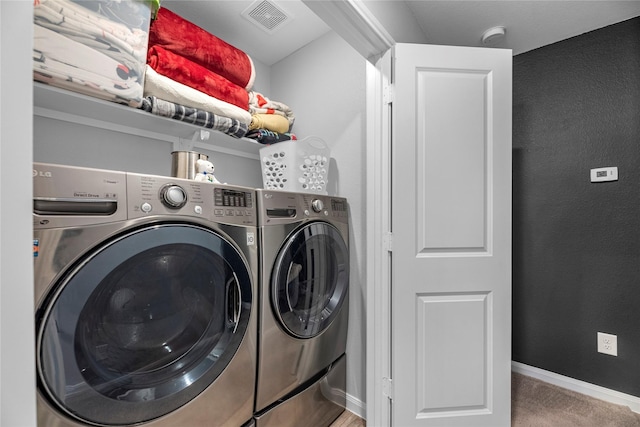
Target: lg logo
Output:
{"points": [[42, 174]]}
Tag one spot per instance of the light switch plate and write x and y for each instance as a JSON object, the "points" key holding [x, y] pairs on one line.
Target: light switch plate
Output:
{"points": [[604, 174]]}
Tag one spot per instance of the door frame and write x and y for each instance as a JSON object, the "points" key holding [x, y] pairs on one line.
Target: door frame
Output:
{"points": [[379, 388], [354, 22]]}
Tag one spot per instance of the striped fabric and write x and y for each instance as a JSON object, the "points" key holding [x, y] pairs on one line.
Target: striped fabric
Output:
{"points": [[194, 116]]}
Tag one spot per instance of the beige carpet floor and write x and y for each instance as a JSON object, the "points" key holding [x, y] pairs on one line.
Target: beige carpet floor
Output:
{"points": [[535, 403]]}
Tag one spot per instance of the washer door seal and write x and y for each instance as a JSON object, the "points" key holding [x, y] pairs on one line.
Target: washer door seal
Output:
{"points": [[143, 324]]}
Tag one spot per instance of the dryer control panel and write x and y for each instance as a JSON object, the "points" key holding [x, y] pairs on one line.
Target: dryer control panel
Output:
{"points": [[280, 207], [318, 206]]}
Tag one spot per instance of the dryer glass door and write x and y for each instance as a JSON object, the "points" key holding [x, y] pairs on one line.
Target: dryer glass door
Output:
{"points": [[310, 279], [143, 324]]}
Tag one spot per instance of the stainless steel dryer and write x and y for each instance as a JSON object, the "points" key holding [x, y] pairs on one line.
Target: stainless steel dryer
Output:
{"points": [[304, 281], [145, 299]]}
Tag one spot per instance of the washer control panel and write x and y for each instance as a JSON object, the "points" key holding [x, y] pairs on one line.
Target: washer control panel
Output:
{"points": [[159, 195], [70, 195], [234, 203], [66, 196]]}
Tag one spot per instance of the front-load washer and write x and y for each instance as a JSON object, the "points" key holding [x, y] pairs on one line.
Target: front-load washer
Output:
{"points": [[304, 291], [145, 299]]}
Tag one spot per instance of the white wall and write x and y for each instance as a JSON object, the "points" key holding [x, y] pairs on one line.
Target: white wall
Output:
{"points": [[66, 143], [262, 82], [17, 359], [398, 20], [324, 84]]}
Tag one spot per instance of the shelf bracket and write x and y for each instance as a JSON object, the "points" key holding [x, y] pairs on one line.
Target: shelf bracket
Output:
{"points": [[183, 144]]}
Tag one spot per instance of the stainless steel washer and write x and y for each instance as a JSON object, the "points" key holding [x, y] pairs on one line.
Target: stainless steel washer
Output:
{"points": [[145, 299], [304, 281]]}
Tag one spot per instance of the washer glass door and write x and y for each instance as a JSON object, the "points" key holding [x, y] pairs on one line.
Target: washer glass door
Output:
{"points": [[143, 324], [310, 279]]}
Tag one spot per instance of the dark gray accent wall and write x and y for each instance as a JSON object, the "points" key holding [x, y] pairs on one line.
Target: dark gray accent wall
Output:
{"points": [[576, 244]]}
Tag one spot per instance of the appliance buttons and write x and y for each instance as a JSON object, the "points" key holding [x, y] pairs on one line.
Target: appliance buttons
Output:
{"points": [[146, 207]]}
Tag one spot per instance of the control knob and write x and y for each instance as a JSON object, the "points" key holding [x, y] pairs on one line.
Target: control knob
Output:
{"points": [[173, 196], [317, 205]]}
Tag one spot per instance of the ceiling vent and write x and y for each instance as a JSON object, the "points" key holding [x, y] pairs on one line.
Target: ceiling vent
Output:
{"points": [[266, 15]]}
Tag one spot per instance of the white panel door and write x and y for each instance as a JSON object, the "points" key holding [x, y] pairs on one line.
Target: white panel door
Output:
{"points": [[451, 260]]}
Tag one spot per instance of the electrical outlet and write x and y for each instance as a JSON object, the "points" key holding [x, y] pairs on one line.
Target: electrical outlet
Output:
{"points": [[607, 344]]}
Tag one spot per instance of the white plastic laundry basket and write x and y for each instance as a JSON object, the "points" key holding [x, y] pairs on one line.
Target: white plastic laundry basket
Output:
{"points": [[296, 165]]}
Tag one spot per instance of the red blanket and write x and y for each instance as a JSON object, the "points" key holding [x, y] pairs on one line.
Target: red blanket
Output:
{"points": [[196, 76], [183, 37]]}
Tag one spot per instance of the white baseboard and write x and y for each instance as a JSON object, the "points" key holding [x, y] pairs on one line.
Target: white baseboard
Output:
{"points": [[356, 406], [578, 386]]}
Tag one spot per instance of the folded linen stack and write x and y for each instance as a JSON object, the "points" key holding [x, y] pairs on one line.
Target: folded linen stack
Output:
{"points": [[271, 121], [196, 77], [78, 45]]}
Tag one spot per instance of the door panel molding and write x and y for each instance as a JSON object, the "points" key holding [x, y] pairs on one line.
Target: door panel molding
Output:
{"points": [[452, 130], [462, 379]]}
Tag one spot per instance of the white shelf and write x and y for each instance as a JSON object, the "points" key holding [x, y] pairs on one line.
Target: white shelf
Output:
{"points": [[61, 104]]}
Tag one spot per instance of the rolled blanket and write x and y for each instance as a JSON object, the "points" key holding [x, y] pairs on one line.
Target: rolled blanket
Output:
{"points": [[267, 137], [165, 88], [260, 104], [194, 116], [271, 122], [196, 76], [186, 39]]}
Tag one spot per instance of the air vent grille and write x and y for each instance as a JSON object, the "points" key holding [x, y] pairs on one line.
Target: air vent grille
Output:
{"points": [[266, 15]]}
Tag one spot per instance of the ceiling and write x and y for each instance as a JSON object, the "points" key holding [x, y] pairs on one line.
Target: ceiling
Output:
{"points": [[528, 24]]}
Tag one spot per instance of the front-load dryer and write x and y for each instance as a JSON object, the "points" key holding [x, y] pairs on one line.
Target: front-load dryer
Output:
{"points": [[304, 308], [145, 299]]}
